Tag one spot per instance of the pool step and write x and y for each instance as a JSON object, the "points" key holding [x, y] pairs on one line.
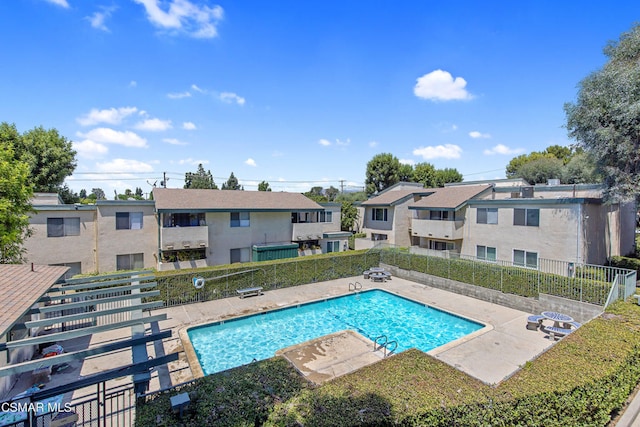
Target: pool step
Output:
{"points": [[355, 287], [384, 343]]}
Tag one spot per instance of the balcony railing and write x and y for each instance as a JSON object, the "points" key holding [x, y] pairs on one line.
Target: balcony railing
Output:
{"points": [[443, 230], [176, 238]]}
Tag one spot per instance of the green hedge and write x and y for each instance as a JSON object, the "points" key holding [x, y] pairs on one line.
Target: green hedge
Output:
{"points": [[588, 285], [625, 262], [177, 287]]}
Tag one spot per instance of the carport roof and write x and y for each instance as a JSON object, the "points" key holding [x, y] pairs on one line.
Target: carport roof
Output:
{"points": [[21, 285]]}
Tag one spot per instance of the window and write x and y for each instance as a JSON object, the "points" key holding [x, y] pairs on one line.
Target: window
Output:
{"points": [[61, 227], [441, 246], [128, 220], [525, 259], [184, 220], [528, 217], [326, 216], [333, 246], [486, 253], [240, 219], [439, 215], [130, 262], [74, 268], [487, 216], [240, 255], [376, 236], [379, 214]]}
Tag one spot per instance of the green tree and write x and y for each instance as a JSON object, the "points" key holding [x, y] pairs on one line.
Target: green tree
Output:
{"points": [[317, 195], [232, 183], [139, 193], [97, 194], [83, 194], [50, 156], [200, 179], [425, 173], [67, 195], [264, 186], [383, 171], [581, 169], [406, 173], [517, 162], [331, 193], [446, 176], [539, 171], [348, 216], [605, 118], [16, 191]]}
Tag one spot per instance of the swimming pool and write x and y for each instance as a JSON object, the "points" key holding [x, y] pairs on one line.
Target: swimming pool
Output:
{"points": [[223, 345]]}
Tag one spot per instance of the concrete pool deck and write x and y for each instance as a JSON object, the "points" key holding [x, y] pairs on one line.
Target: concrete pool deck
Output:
{"points": [[490, 355]]}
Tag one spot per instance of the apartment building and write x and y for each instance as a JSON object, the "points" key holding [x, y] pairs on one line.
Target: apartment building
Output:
{"points": [[212, 227], [181, 229], [503, 220], [107, 236]]}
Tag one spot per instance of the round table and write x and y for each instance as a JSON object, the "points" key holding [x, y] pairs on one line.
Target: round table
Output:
{"points": [[557, 317]]}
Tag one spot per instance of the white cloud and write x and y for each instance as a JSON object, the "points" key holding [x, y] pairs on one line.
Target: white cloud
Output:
{"points": [[231, 98], [475, 134], [343, 143], [447, 151], [373, 144], [182, 16], [179, 95], [133, 83], [123, 165], [324, 142], [98, 19], [250, 162], [154, 125], [188, 126], [174, 141], [440, 85], [62, 3], [110, 136], [90, 149], [407, 162], [112, 116], [503, 149], [197, 89], [190, 161]]}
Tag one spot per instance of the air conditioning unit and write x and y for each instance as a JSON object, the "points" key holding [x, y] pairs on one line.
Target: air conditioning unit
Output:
{"points": [[527, 192]]}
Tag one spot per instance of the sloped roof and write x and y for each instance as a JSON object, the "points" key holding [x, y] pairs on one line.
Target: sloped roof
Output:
{"points": [[450, 197], [231, 200], [20, 288], [397, 193]]}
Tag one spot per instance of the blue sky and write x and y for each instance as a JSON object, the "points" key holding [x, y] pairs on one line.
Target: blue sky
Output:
{"points": [[297, 93]]}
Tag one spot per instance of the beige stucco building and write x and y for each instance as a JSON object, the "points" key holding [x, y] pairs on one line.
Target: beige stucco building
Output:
{"points": [[181, 229], [502, 220]]}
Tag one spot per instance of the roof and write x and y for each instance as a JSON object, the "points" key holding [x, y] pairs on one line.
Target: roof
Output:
{"points": [[452, 197], [397, 193], [21, 285], [231, 200]]}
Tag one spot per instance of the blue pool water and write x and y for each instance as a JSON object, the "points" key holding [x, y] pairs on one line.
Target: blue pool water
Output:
{"points": [[224, 345]]}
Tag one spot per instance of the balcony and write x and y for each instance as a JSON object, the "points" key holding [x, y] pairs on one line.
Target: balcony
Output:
{"points": [[176, 238], [307, 231], [442, 230]]}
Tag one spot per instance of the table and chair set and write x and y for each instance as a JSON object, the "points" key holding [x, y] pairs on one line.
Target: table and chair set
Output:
{"points": [[377, 274], [562, 325]]}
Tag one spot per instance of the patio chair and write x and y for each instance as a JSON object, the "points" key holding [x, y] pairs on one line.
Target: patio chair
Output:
{"points": [[534, 322]]}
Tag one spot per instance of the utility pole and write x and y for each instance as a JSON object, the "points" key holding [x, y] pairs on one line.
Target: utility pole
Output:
{"points": [[342, 185]]}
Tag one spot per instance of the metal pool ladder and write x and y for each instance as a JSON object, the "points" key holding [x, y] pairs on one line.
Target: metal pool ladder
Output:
{"points": [[383, 342], [355, 287]]}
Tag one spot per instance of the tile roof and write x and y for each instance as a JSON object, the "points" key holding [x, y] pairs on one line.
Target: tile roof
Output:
{"points": [[231, 200], [450, 197], [21, 287]]}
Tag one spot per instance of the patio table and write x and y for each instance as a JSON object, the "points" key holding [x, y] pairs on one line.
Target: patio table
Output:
{"points": [[557, 318]]}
